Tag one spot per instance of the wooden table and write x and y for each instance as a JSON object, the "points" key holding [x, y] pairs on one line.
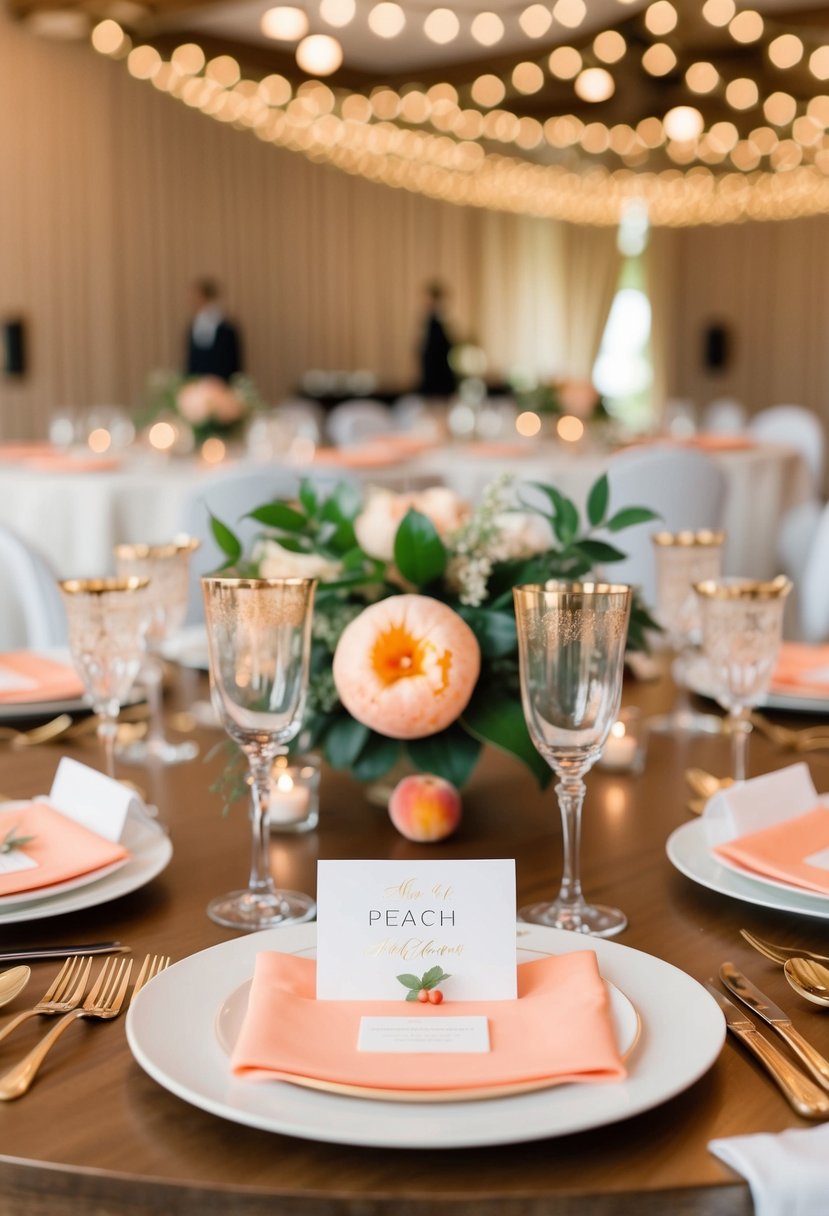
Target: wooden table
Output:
{"points": [[97, 1135]]}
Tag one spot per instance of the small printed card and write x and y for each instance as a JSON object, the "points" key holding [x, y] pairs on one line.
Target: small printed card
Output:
{"points": [[15, 861], [447, 1034], [377, 920]]}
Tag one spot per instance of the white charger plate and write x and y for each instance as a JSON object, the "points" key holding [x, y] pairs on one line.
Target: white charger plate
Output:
{"points": [[698, 680], [171, 1030], [151, 852], [689, 852]]}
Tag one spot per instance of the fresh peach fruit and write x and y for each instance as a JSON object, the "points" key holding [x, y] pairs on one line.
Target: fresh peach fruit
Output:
{"points": [[424, 808]]}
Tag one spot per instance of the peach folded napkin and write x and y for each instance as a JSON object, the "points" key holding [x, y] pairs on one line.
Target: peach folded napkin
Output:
{"points": [[370, 456], [25, 451], [713, 442], [800, 666], [61, 848], [26, 677], [61, 463], [787, 850], [559, 1029]]}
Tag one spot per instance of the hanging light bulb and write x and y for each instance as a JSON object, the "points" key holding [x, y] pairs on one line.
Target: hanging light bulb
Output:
{"points": [[284, 23], [319, 54]]}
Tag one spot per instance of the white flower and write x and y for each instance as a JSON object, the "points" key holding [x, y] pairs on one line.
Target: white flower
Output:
{"points": [[521, 534], [276, 562], [376, 525]]}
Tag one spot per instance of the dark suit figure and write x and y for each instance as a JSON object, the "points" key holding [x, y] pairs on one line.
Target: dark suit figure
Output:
{"points": [[214, 347], [436, 376]]}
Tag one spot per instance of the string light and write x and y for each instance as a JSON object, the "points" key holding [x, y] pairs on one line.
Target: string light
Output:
{"points": [[536, 20], [284, 23], [487, 28], [386, 20]]}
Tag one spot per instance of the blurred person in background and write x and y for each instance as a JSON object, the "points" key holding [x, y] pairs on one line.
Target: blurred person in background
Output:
{"points": [[214, 346], [436, 376]]}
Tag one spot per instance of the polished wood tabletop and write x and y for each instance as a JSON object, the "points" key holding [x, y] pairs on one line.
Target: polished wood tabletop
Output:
{"points": [[97, 1135]]}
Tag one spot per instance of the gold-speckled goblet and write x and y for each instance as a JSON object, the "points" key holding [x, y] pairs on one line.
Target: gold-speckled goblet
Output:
{"points": [[259, 640], [108, 620], [742, 626], [571, 645]]}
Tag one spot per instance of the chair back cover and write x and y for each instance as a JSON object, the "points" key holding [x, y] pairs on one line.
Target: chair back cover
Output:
{"points": [[796, 427], [31, 610]]}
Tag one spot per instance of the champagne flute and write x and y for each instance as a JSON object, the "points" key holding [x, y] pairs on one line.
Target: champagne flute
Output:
{"points": [[742, 626], [108, 620], [683, 559], [168, 569], [259, 640], [571, 646]]}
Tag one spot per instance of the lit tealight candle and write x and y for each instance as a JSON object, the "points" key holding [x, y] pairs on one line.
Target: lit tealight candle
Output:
{"points": [[289, 801], [620, 748]]}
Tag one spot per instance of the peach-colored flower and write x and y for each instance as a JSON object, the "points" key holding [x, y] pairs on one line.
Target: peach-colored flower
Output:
{"points": [[376, 525], [208, 399], [274, 561], [578, 397]]}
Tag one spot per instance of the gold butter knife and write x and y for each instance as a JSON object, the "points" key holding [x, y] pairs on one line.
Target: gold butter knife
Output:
{"points": [[799, 1091]]}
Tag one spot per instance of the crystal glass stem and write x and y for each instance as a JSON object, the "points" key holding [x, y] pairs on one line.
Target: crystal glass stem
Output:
{"points": [[570, 792], [740, 728], [152, 677], [260, 880], [107, 732]]}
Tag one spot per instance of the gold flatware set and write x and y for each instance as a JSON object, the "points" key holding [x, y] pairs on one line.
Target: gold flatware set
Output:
{"points": [[105, 1000], [132, 725]]}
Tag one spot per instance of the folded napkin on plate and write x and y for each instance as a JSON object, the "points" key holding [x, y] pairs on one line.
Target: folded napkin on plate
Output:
{"points": [[773, 826], [61, 849], [26, 677], [369, 456], [800, 666], [61, 463], [559, 1029], [787, 1173]]}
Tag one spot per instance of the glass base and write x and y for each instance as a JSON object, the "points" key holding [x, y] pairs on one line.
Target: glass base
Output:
{"points": [[593, 919], [687, 722], [158, 751], [252, 910]]}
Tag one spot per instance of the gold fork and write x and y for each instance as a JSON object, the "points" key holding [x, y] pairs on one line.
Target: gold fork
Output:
{"points": [[809, 738], [779, 954], [104, 1001], [38, 734], [64, 993], [150, 968]]}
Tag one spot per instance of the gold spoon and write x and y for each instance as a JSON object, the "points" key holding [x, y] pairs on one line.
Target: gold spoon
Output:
{"points": [[810, 980], [13, 981], [704, 784]]}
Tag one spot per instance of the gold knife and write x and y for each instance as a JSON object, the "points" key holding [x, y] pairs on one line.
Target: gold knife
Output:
{"points": [[774, 1016], [799, 1091]]}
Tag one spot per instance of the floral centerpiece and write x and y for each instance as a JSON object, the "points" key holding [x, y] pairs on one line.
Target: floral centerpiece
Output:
{"points": [[415, 652], [206, 404], [553, 398]]}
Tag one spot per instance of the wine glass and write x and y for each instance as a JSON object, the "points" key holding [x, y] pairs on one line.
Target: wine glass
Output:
{"points": [[259, 640], [742, 625], [168, 569], [108, 620], [683, 559], [571, 646]]}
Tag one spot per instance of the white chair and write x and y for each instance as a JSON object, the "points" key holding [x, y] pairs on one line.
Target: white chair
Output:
{"points": [[725, 416], [31, 609], [687, 490], [796, 427], [813, 591], [353, 422]]}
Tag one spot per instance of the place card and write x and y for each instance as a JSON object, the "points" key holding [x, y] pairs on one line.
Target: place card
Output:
{"points": [[377, 920], [762, 802], [92, 799], [15, 861], [409, 1035]]}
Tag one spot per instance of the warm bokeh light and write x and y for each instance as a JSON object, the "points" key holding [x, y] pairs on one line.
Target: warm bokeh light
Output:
{"points": [[659, 59], [702, 77], [742, 93], [213, 450], [188, 59], [764, 140], [723, 136], [747, 26], [319, 54], [224, 70], [785, 51], [387, 20], [284, 23], [275, 90], [718, 12], [143, 62], [108, 38], [565, 62], [337, 12], [649, 130], [528, 424], [569, 428], [488, 91], [487, 28], [441, 26], [99, 440], [661, 17], [780, 109], [819, 63], [570, 13], [683, 122], [594, 85], [536, 20], [527, 77], [162, 436], [609, 46]]}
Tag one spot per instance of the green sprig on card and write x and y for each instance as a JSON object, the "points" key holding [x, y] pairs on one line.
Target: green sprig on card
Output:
{"points": [[428, 981], [12, 841]]}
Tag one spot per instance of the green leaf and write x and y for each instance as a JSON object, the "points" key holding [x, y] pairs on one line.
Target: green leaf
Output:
{"points": [[597, 500], [344, 740], [629, 516], [495, 631], [279, 515], [555, 496], [419, 553], [433, 977], [378, 756], [411, 996], [227, 541], [599, 551], [308, 497], [410, 981], [451, 754], [500, 721], [566, 521]]}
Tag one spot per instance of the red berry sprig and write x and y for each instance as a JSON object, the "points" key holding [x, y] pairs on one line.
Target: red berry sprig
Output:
{"points": [[425, 989]]}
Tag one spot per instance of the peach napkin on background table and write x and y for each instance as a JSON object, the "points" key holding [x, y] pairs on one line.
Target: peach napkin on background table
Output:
{"points": [[787, 850], [26, 677], [801, 667], [61, 849], [560, 1029]]}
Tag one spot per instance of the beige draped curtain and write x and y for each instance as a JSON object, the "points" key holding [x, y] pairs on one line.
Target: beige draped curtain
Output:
{"points": [[660, 270], [592, 264]]}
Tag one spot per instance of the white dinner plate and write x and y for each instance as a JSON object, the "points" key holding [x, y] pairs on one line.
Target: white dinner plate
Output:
{"points": [[698, 680], [13, 711], [151, 852], [188, 648], [171, 1030], [689, 852]]}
